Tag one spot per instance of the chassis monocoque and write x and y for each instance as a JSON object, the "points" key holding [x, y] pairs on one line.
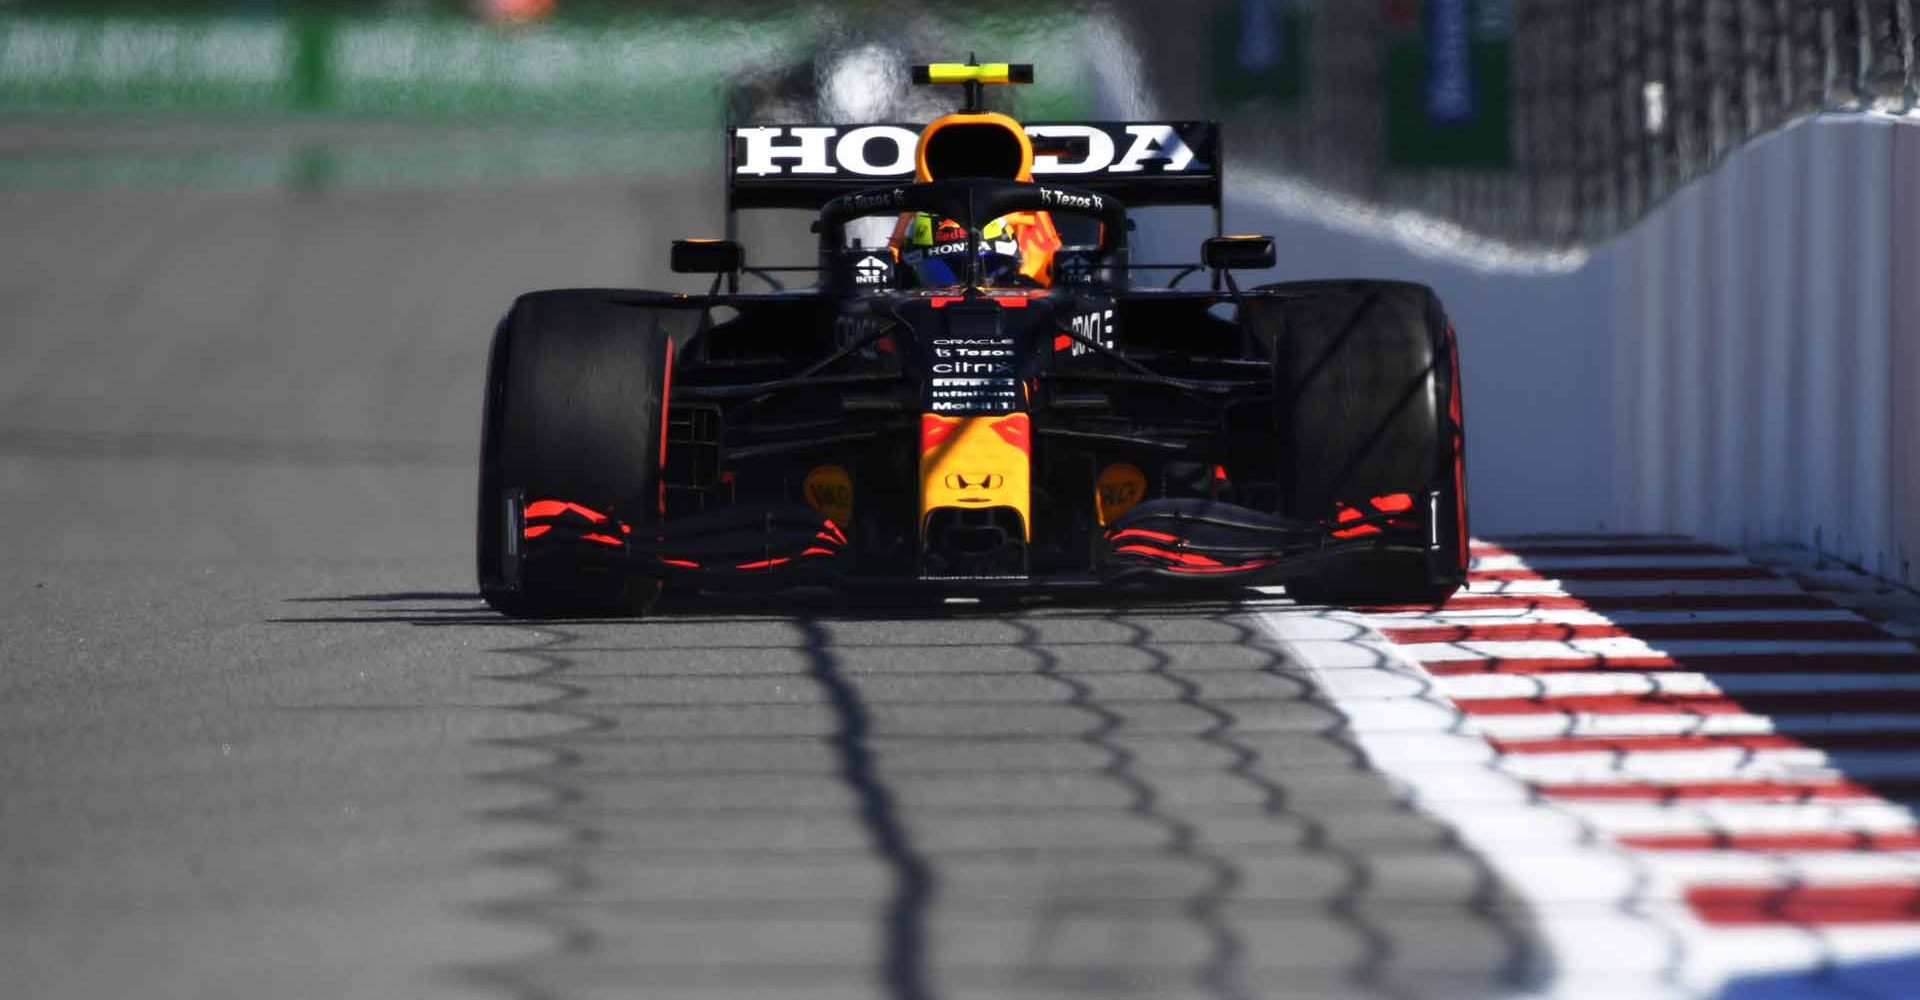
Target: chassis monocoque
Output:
{"points": [[870, 434]]}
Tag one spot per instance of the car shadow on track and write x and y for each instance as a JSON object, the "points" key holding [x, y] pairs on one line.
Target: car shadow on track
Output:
{"points": [[466, 609], [1173, 721]]}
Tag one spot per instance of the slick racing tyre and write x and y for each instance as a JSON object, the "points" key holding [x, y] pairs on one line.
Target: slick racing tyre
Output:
{"points": [[576, 393], [1368, 421]]}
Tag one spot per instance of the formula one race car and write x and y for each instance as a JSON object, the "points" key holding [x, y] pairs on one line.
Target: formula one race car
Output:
{"points": [[977, 396]]}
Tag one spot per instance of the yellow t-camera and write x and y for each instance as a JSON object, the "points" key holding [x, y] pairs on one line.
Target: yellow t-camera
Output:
{"points": [[969, 73]]}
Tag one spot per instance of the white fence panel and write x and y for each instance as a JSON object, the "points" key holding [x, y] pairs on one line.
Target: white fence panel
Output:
{"points": [[1767, 325], [1743, 366]]}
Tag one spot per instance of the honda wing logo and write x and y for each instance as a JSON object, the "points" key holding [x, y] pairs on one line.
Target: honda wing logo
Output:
{"points": [[886, 151]]}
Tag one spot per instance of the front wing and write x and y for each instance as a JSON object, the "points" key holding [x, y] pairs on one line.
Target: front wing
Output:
{"points": [[1167, 544]]}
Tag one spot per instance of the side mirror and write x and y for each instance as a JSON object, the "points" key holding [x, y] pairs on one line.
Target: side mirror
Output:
{"points": [[1250, 253], [707, 257]]}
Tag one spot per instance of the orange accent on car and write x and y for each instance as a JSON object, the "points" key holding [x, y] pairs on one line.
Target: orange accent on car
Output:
{"points": [[817, 551], [764, 564], [1117, 489], [1023, 170], [686, 563], [1062, 343], [935, 430], [1183, 558], [1393, 503], [1238, 568], [1016, 429], [1039, 241], [555, 508], [828, 489], [1006, 300], [1189, 562], [666, 392], [537, 530], [1150, 535], [666, 395], [602, 539], [841, 538], [974, 463]]}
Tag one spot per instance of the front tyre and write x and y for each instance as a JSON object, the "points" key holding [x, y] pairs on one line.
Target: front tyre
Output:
{"points": [[577, 386], [1370, 432]]}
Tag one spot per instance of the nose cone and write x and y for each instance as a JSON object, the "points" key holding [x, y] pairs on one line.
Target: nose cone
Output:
{"points": [[976, 463]]}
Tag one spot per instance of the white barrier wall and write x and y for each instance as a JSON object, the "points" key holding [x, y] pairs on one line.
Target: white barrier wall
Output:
{"points": [[1743, 367], [1767, 349], [1906, 351], [1536, 346]]}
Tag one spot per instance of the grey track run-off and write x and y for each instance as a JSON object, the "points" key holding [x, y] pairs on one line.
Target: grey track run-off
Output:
{"points": [[258, 738]]}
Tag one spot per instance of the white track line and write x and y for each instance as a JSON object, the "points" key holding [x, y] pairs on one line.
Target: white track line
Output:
{"points": [[1607, 768], [1549, 543], [1753, 868], [1668, 723], [1731, 764], [1631, 588], [1478, 687], [1566, 861], [1575, 616], [1649, 818], [1653, 564], [1626, 646], [1562, 684], [1598, 951]]}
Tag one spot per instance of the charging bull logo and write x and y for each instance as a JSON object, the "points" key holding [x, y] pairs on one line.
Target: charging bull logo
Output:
{"points": [[976, 463]]}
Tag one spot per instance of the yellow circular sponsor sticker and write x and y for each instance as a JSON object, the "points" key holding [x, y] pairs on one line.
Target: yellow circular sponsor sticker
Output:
{"points": [[829, 490], [1120, 486]]}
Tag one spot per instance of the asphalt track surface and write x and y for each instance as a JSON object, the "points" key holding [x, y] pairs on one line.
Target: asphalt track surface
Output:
{"points": [[258, 737]]}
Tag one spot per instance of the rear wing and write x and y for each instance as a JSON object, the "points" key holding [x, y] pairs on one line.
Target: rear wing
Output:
{"points": [[1137, 163]]}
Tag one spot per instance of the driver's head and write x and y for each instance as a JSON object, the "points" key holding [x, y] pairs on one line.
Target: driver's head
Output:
{"points": [[974, 144], [934, 251], [967, 144]]}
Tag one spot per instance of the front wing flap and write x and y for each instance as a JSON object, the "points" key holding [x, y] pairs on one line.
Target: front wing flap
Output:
{"points": [[1168, 544]]}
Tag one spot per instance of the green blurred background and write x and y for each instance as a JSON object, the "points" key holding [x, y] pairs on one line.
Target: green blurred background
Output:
{"points": [[1544, 123]]}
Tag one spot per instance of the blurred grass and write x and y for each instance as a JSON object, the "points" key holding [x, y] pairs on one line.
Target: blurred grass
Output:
{"points": [[234, 96]]}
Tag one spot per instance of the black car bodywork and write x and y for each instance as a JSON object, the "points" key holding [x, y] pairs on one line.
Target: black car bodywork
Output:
{"points": [[1304, 433]]}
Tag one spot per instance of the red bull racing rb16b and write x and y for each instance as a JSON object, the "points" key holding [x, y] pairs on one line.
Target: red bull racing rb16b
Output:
{"points": [[984, 392]]}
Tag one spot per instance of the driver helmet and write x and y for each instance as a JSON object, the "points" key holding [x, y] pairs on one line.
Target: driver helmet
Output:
{"points": [[935, 251]]}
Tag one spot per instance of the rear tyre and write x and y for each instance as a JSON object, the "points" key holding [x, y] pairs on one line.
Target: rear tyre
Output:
{"points": [[576, 393], [1367, 388]]}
